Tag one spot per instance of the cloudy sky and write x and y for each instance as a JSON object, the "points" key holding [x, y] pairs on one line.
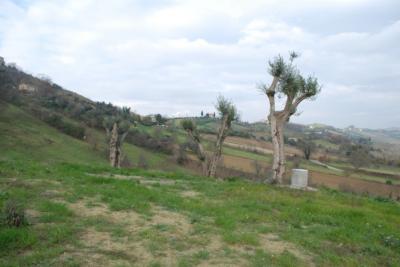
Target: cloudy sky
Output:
{"points": [[175, 57]]}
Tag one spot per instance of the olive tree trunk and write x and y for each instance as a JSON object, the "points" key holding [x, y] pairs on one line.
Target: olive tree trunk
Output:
{"points": [[115, 150], [277, 120], [212, 168], [278, 165], [201, 155]]}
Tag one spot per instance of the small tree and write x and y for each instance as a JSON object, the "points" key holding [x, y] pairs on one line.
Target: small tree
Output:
{"points": [[228, 114], [286, 81], [117, 128], [307, 146], [160, 119]]}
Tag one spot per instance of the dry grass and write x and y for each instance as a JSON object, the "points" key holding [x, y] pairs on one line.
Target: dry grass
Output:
{"points": [[166, 237]]}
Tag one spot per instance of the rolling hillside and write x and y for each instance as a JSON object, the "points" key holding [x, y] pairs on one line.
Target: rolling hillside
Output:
{"points": [[81, 212], [25, 137]]}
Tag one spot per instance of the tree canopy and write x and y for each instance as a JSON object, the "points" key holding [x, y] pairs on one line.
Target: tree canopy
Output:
{"points": [[288, 80], [226, 108]]}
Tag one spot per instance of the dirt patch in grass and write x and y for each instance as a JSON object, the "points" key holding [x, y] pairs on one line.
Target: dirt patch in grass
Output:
{"points": [[101, 249], [52, 193], [273, 244], [81, 208], [32, 216], [179, 221], [140, 179], [190, 193], [90, 208], [14, 182], [165, 236]]}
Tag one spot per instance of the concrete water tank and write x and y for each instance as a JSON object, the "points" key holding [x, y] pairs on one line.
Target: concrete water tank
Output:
{"points": [[299, 178]]}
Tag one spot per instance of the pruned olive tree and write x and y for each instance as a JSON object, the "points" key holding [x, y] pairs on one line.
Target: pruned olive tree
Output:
{"points": [[228, 113], [117, 128], [191, 129], [286, 82]]}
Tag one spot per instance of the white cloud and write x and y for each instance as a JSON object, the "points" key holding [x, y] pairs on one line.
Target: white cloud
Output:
{"points": [[259, 32], [176, 57]]}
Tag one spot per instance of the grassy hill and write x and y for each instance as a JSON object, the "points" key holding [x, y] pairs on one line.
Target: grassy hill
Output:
{"points": [[23, 136], [80, 212]]}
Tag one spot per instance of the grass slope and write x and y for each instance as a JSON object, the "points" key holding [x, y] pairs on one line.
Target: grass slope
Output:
{"points": [[22, 135], [82, 213]]}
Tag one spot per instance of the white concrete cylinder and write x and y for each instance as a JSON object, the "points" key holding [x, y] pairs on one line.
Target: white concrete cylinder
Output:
{"points": [[299, 178]]}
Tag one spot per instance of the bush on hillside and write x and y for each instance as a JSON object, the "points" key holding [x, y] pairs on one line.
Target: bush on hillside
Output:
{"points": [[13, 214], [240, 134], [163, 144], [59, 123], [68, 128]]}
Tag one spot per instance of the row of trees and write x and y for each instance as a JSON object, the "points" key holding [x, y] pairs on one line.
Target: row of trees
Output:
{"points": [[286, 82]]}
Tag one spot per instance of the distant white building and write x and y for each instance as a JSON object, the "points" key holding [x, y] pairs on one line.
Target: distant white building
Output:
{"points": [[26, 88]]}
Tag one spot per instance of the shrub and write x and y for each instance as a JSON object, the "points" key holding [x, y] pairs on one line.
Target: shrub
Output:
{"points": [[163, 144], [391, 241], [14, 214], [240, 134], [59, 123]]}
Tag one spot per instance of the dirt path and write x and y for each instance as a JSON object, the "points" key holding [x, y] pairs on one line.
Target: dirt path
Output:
{"points": [[167, 237], [317, 162]]}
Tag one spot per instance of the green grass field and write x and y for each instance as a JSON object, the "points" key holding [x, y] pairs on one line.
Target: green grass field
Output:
{"points": [[82, 215], [247, 154], [80, 212]]}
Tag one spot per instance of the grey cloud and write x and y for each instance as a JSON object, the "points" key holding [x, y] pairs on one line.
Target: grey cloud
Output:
{"points": [[177, 56]]}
